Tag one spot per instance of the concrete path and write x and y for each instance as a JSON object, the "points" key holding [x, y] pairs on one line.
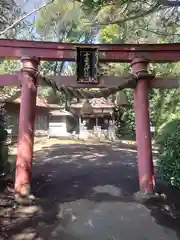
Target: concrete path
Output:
{"points": [[85, 193]]}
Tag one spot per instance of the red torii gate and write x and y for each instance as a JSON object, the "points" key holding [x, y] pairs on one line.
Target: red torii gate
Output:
{"points": [[31, 53]]}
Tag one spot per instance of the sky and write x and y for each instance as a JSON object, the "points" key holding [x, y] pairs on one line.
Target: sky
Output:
{"points": [[29, 5]]}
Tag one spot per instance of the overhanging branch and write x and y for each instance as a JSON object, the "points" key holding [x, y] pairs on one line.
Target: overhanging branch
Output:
{"points": [[169, 3], [25, 16]]}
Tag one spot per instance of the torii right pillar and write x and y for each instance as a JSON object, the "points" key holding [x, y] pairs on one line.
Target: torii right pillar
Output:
{"points": [[143, 134]]}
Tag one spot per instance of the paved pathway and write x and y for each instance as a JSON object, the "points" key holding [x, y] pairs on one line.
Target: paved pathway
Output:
{"points": [[85, 193]]}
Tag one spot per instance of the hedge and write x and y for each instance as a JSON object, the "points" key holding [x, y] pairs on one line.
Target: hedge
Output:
{"points": [[168, 140]]}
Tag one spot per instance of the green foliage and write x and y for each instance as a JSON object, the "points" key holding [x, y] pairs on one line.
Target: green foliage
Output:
{"points": [[127, 121], [10, 11], [151, 18], [3, 134], [164, 103], [8, 67], [164, 106], [6, 8], [168, 140], [64, 21]]}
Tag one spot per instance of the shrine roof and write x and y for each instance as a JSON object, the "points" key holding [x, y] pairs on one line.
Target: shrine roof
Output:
{"points": [[95, 103], [39, 103]]}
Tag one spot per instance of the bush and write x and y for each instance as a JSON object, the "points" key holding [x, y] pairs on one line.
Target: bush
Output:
{"points": [[168, 140]]}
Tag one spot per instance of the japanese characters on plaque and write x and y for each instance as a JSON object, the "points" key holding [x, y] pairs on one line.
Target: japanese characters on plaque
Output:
{"points": [[87, 66]]}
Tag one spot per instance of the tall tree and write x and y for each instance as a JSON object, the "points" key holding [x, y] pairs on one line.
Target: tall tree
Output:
{"points": [[63, 21]]}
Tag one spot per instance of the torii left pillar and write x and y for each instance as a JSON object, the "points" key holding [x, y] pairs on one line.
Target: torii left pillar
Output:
{"points": [[26, 127]]}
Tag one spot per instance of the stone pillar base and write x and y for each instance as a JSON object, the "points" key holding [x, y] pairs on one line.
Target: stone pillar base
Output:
{"points": [[143, 197], [24, 200]]}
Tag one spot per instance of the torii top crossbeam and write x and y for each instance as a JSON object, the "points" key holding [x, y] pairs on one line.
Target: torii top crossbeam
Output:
{"points": [[16, 49]]}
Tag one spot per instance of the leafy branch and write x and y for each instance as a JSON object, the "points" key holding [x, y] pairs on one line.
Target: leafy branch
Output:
{"points": [[140, 14]]}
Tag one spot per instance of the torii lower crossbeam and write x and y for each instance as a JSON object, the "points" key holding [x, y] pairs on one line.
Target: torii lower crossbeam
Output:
{"points": [[105, 82]]}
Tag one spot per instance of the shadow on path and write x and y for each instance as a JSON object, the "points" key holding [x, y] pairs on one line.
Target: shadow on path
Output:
{"points": [[74, 182]]}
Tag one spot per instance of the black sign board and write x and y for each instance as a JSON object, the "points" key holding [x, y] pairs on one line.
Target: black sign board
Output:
{"points": [[87, 66]]}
